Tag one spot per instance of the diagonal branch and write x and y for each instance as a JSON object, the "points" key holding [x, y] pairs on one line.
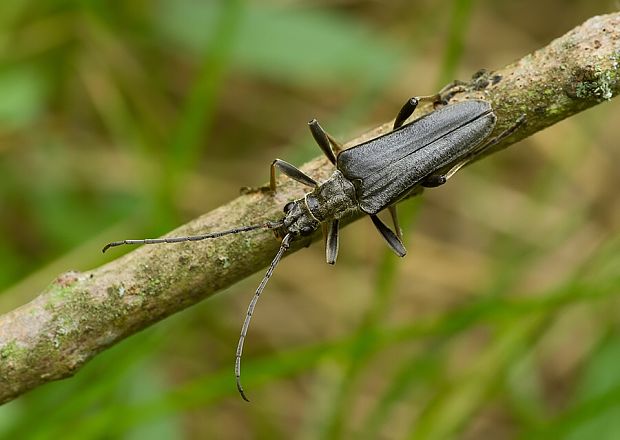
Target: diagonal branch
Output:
{"points": [[81, 314]]}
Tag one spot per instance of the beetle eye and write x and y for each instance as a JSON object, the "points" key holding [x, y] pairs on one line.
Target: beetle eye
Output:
{"points": [[288, 207], [307, 230]]}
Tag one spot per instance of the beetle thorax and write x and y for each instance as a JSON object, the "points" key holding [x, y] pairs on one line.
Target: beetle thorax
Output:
{"points": [[332, 200]]}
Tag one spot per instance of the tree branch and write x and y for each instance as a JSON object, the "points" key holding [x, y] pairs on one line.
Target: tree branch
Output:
{"points": [[81, 314]]}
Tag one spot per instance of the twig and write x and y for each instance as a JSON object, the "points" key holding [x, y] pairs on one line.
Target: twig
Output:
{"points": [[81, 314]]}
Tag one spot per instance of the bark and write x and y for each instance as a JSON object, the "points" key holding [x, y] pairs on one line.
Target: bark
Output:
{"points": [[81, 314]]}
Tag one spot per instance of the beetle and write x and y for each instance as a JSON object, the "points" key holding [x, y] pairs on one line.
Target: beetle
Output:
{"points": [[369, 177]]}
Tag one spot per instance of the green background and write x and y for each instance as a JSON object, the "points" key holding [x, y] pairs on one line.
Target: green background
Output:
{"points": [[125, 119]]}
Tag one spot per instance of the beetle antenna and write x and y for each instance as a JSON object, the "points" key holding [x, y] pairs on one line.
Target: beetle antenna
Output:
{"points": [[246, 323], [267, 225]]}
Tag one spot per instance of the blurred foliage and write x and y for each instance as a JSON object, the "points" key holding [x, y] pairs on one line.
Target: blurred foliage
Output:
{"points": [[124, 119]]}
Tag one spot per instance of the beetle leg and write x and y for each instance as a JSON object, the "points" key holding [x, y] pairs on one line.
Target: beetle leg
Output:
{"points": [[503, 135], [409, 107], [457, 83], [337, 146], [439, 179], [435, 180], [405, 111], [324, 140], [331, 242], [325, 232], [392, 240], [394, 215], [291, 171], [448, 91]]}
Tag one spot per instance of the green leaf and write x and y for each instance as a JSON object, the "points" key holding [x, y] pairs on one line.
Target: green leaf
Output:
{"points": [[286, 44], [23, 91], [598, 396]]}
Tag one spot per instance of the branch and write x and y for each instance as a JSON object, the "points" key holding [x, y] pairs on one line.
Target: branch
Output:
{"points": [[81, 314]]}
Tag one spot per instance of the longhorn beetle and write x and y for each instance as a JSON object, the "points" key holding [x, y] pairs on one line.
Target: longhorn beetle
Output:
{"points": [[369, 177]]}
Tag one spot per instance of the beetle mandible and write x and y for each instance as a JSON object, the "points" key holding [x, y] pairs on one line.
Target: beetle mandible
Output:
{"points": [[369, 178]]}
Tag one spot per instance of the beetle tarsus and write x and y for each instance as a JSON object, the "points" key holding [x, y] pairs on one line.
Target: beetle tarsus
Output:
{"points": [[245, 190]]}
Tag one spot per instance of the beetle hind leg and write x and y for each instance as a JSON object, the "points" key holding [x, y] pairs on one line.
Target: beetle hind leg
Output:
{"points": [[405, 111], [409, 107], [395, 222], [390, 237]]}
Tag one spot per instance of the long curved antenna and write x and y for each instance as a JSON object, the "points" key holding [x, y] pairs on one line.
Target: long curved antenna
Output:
{"points": [[267, 225], [246, 323]]}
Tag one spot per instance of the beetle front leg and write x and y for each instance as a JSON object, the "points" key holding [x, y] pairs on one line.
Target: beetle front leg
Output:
{"points": [[291, 171], [287, 169], [328, 144]]}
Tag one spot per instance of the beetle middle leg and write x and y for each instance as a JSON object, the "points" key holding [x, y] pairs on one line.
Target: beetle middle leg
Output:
{"points": [[436, 180], [409, 107], [331, 241], [392, 239]]}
